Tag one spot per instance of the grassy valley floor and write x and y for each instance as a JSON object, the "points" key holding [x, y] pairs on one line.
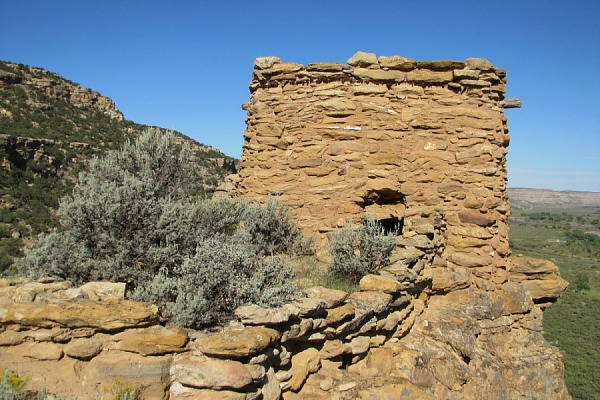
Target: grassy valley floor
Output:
{"points": [[570, 237]]}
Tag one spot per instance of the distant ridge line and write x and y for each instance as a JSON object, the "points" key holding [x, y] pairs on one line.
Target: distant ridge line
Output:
{"points": [[526, 196], [557, 191]]}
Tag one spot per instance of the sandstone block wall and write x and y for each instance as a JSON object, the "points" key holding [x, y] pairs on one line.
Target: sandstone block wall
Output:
{"points": [[91, 336], [398, 139], [387, 340]]}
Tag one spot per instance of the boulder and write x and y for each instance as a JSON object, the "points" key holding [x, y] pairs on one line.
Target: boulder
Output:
{"points": [[469, 259], [450, 279], [360, 345], [470, 216], [440, 65], [256, 315], [32, 291], [45, 351], [334, 348], [332, 297], [103, 291], [453, 327], [310, 307], [479, 63], [266, 62], [83, 349], [378, 75], [325, 67], [369, 302], [339, 314], [151, 374], [380, 283], [515, 298], [423, 76], [271, 389], [397, 62], [382, 360]]}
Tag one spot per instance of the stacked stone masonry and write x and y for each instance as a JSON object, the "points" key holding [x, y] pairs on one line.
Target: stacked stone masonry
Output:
{"points": [[392, 338], [420, 144], [388, 137]]}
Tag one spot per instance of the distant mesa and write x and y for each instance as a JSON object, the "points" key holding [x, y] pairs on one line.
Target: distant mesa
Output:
{"points": [[546, 197]]}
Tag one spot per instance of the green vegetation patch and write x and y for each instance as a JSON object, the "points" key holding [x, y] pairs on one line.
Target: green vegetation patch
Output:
{"points": [[132, 218], [46, 141], [569, 238]]}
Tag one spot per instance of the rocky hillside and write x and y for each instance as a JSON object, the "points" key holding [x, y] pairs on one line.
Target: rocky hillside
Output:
{"points": [[522, 197], [49, 127]]}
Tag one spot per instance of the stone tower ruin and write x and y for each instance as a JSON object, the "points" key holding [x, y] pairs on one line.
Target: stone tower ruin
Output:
{"points": [[419, 144]]}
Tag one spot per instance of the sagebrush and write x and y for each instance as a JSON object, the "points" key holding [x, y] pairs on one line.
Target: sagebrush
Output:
{"points": [[359, 250], [131, 219]]}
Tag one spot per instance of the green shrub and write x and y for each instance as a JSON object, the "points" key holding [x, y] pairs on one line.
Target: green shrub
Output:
{"points": [[270, 228], [11, 383], [357, 251], [223, 274], [128, 214], [581, 281], [131, 219], [122, 389]]}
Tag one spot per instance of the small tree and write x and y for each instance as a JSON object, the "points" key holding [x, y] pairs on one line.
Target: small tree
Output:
{"points": [[131, 219], [357, 251]]}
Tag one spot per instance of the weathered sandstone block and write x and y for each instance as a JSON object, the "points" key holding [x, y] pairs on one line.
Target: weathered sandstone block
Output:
{"points": [[380, 283], [236, 343], [80, 314], [332, 297], [155, 340], [212, 374], [540, 277], [256, 315], [362, 59], [103, 291], [303, 364], [83, 349], [369, 302]]}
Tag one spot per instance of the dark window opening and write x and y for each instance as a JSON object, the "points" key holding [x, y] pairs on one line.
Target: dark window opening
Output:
{"points": [[392, 225], [383, 196], [387, 206]]}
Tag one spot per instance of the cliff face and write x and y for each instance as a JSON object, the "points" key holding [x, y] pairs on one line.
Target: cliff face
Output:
{"points": [[58, 88]]}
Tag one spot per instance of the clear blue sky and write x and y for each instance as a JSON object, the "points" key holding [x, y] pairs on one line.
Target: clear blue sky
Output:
{"points": [[186, 64]]}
